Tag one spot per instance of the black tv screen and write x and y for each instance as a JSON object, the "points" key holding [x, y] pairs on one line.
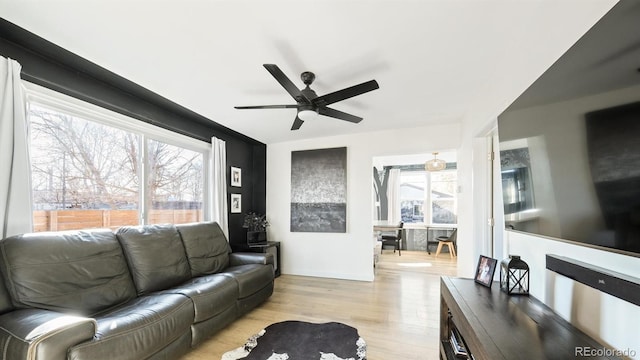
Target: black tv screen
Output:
{"points": [[570, 144]]}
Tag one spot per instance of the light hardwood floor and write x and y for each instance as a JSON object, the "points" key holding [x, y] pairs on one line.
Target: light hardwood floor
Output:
{"points": [[397, 314]]}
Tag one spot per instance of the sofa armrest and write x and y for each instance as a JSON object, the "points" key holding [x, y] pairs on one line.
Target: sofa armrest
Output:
{"points": [[244, 258], [34, 334]]}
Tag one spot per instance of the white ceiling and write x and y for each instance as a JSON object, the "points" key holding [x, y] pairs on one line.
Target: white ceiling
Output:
{"points": [[432, 58]]}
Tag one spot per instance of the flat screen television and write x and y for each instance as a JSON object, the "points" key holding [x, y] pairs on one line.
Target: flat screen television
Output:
{"points": [[570, 144]]}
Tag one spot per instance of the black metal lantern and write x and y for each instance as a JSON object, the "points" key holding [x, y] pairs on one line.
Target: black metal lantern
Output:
{"points": [[514, 276]]}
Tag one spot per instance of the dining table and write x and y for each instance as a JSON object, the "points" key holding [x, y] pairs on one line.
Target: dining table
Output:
{"points": [[433, 230]]}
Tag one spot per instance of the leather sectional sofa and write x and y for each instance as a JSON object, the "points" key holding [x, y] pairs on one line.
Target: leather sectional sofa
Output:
{"points": [[143, 292]]}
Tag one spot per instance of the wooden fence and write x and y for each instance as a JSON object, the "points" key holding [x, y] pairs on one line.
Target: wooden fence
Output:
{"points": [[57, 220]]}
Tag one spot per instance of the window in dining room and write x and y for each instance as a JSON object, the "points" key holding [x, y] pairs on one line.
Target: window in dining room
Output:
{"points": [[442, 197], [428, 197]]}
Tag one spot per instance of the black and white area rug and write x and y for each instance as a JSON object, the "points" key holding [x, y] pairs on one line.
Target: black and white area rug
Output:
{"points": [[297, 340]]}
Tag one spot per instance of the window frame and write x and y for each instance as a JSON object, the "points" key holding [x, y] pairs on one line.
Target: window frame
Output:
{"points": [[41, 96], [430, 200], [427, 208]]}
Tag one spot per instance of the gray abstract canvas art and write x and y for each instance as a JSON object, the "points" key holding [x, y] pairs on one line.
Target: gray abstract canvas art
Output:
{"points": [[319, 190]]}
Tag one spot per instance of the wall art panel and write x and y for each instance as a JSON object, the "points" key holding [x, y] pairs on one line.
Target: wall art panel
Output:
{"points": [[319, 190]]}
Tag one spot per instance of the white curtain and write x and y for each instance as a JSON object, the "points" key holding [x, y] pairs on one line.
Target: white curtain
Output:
{"points": [[15, 178], [393, 196], [218, 176]]}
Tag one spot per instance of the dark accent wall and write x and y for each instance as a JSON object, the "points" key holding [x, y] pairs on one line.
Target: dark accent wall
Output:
{"points": [[53, 67]]}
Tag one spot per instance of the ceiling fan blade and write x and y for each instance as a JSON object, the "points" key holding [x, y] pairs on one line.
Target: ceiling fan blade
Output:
{"points": [[267, 107], [297, 123], [338, 114], [346, 93], [287, 84]]}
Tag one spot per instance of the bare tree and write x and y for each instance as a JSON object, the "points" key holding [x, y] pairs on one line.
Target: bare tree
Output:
{"points": [[78, 163], [172, 172]]}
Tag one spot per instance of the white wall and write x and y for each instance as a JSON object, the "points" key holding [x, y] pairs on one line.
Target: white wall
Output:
{"points": [[348, 255], [332, 255], [514, 72], [602, 316], [606, 318]]}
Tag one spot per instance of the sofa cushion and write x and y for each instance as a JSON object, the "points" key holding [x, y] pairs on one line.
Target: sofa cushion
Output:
{"points": [[155, 255], [211, 295], [246, 304], [206, 246], [175, 350], [74, 271], [138, 329], [42, 334], [251, 278], [204, 329]]}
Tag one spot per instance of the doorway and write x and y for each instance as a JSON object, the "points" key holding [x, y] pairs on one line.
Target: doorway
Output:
{"points": [[424, 201]]}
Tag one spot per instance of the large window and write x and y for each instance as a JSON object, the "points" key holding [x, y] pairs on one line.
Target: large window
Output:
{"points": [[413, 196], [176, 183], [90, 170], [443, 197], [428, 197]]}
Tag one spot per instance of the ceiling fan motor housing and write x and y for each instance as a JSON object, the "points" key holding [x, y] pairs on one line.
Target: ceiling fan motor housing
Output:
{"points": [[307, 77], [308, 95]]}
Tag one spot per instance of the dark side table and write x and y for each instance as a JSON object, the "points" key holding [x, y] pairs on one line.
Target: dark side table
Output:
{"points": [[485, 323], [272, 247]]}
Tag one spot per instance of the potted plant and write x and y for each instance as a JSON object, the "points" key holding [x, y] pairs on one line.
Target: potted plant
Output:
{"points": [[256, 226]]}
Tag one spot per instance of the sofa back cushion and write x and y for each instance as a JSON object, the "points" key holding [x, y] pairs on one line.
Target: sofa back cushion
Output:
{"points": [[74, 271], [206, 246], [155, 255]]}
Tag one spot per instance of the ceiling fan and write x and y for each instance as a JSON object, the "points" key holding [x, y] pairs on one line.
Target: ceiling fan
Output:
{"points": [[308, 103]]}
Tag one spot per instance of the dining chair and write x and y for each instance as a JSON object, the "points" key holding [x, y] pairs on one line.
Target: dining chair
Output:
{"points": [[449, 241], [394, 240]]}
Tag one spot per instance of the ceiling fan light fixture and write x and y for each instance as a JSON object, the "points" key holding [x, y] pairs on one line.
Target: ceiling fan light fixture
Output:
{"points": [[307, 114], [435, 164], [308, 103]]}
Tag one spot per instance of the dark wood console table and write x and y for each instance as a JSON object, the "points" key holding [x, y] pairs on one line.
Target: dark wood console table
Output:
{"points": [[270, 246], [492, 325]]}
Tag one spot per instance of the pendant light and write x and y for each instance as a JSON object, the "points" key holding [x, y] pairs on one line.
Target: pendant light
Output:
{"points": [[435, 164]]}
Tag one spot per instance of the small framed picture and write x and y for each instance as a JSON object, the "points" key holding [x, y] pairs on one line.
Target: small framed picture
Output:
{"points": [[236, 203], [485, 270], [236, 177]]}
